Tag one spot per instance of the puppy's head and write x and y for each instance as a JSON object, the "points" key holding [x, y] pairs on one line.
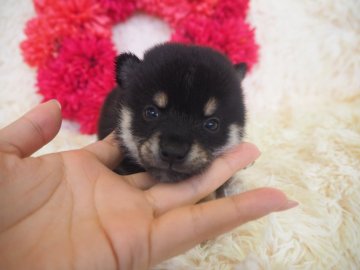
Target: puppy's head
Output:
{"points": [[182, 106]]}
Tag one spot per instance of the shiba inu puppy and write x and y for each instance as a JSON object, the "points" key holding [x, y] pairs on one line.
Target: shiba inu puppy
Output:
{"points": [[175, 111]]}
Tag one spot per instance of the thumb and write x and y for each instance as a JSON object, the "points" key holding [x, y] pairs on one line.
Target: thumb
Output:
{"points": [[32, 131]]}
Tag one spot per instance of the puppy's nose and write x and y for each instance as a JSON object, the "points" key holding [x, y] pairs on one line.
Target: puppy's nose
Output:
{"points": [[173, 152]]}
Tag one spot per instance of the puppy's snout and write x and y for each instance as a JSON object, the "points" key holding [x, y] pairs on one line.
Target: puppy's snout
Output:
{"points": [[173, 152]]}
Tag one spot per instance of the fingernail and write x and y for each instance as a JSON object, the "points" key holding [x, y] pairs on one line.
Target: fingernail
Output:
{"points": [[257, 156], [258, 152], [250, 165], [57, 102], [255, 152], [290, 204]]}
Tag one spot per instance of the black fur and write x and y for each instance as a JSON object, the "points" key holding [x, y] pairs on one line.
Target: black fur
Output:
{"points": [[189, 76]]}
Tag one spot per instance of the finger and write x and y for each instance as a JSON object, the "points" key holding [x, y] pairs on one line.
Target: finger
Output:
{"points": [[180, 229], [32, 131], [142, 181], [167, 196], [107, 151]]}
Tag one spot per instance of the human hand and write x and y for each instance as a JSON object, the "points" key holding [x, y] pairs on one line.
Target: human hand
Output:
{"points": [[68, 210]]}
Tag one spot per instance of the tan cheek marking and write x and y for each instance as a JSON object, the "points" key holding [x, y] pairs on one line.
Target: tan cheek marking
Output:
{"points": [[160, 99], [235, 136], [125, 134], [150, 149], [197, 155], [210, 107]]}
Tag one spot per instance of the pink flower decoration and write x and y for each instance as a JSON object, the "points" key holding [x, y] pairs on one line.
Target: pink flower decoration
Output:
{"points": [[59, 20], [80, 77], [118, 10], [44, 37], [231, 9], [232, 37], [175, 11], [170, 10]]}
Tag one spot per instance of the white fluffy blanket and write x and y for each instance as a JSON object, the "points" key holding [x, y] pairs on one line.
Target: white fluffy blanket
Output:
{"points": [[304, 114]]}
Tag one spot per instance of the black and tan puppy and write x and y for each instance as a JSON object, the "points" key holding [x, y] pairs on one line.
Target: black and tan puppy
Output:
{"points": [[174, 111]]}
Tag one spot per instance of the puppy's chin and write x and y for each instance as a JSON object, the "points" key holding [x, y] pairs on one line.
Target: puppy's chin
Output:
{"points": [[171, 176]]}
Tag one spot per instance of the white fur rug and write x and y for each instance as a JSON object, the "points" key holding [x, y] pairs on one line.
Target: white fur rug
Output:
{"points": [[304, 114]]}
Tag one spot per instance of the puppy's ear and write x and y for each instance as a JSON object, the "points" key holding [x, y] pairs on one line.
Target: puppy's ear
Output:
{"points": [[241, 69], [125, 64]]}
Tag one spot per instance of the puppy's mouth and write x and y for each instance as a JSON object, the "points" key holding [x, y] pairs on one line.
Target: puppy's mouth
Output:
{"points": [[170, 174], [176, 168]]}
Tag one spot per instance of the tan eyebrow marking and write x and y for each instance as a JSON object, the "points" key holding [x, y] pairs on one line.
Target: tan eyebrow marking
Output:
{"points": [[160, 100], [210, 107]]}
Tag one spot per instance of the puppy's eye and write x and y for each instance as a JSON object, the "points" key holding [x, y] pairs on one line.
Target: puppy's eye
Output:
{"points": [[151, 113], [211, 124]]}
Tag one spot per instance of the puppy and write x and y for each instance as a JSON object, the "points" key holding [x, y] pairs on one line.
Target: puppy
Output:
{"points": [[175, 111]]}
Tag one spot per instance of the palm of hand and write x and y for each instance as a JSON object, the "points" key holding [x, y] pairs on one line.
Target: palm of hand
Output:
{"points": [[81, 210]]}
